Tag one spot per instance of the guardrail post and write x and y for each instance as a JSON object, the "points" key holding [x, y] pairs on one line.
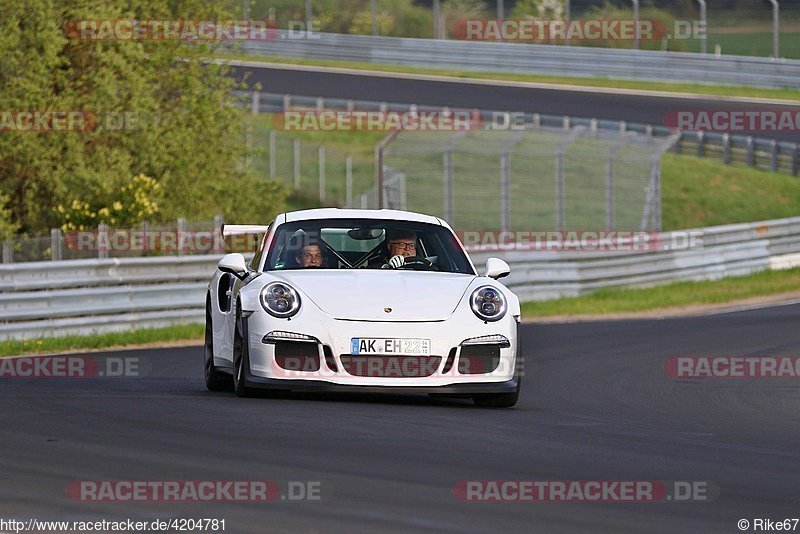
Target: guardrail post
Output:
{"points": [[593, 126], [296, 146], [255, 103], [348, 180], [55, 244], [796, 160], [320, 104], [219, 243], [181, 236], [8, 252], [351, 106], [537, 120], [566, 122], [623, 127], [321, 158], [273, 157], [750, 151], [102, 241], [287, 102], [676, 148], [773, 151], [701, 149], [726, 149]]}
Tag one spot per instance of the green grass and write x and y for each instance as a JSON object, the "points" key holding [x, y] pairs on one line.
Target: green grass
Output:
{"points": [[754, 43], [47, 345], [606, 301], [715, 90], [699, 192]]}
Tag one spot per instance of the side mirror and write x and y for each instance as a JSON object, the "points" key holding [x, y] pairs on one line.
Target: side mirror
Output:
{"points": [[497, 268], [233, 264]]}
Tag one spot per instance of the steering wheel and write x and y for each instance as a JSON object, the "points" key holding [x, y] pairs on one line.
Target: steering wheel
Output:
{"points": [[418, 261]]}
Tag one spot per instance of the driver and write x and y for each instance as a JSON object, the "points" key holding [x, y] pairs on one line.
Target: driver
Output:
{"points": [[402, 244], [310, 256]]}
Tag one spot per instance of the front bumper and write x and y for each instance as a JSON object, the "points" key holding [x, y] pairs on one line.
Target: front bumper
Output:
{"points": [[332, 341]]}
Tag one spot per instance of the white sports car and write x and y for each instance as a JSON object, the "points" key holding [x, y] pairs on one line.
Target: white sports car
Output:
{"points": [[362, 300]]}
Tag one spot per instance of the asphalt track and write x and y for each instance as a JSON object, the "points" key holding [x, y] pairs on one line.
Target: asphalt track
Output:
{"points": [[644, 109], [597, 405]]}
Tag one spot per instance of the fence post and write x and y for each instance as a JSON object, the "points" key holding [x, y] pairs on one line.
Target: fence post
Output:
{"points": [[321, 157], [255, 103], [559, 190], [447, 183], [8, 252], [102, 241], [272, 155], [55, 244], [750, 152], [348, 180], [773, 151], [363, 201], [610, 190], [296, 146], [701, 149], [505, 191], [181, 236], [726, 149], [676, 148], [219, 242]]}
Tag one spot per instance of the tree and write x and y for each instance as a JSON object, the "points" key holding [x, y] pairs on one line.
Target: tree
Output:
{"points": [[182, 128]]}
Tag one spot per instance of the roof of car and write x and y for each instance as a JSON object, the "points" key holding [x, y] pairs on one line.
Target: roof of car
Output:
{"points": [[337, 213]]}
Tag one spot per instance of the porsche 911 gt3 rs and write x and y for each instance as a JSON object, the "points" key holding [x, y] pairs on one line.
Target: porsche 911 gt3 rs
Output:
{"points": [[362, 300]]}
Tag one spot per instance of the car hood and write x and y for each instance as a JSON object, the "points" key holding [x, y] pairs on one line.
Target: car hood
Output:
{"points": [[365, 295]]}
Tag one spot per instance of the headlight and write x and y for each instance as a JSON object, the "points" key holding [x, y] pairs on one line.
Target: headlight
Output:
{"points": [[488, 303], [280, 300]]}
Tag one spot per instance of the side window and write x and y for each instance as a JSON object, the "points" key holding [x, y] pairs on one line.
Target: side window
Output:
{"points": [[260, 250], [224, 292]]}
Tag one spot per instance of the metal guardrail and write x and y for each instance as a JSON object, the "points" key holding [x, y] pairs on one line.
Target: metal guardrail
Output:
{"points": [[535, 59], [100, 295], [766, 154]]}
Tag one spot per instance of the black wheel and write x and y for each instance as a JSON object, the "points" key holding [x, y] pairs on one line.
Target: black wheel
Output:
{"points": [[498, 400], [241, 361], [215, 380]]}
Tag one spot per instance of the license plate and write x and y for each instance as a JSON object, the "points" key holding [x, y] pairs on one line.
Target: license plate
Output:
{"points": [[382, 345]]}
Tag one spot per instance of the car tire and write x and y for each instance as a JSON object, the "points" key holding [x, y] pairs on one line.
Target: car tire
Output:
{"points": [[498, 400], [215, 380], [241, 360]]}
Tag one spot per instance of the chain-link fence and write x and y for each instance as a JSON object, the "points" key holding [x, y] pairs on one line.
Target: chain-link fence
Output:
{"points": [[537, 177]]}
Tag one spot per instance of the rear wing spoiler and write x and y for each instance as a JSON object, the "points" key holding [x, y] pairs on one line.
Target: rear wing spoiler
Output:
{"points": [[243, 229]]}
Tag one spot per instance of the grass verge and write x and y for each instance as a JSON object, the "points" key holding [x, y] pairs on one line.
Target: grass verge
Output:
{"points": [[601, 82], [679, 294], [49, 345]]}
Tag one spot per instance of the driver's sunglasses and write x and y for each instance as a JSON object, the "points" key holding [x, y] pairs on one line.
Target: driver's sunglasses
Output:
{"points": [[404, 246]]}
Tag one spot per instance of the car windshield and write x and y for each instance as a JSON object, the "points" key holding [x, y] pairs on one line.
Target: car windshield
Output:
{"points": [[365, 244]]}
